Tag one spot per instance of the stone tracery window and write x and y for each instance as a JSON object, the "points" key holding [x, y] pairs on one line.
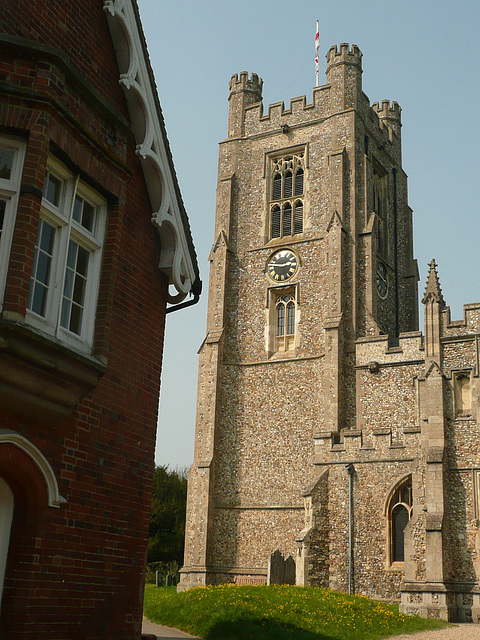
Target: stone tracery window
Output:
{"points": [[283, 321], [285, 315], [286, 195], [399, 512]]}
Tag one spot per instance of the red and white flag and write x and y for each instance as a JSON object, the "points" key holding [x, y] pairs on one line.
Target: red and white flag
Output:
{"points": [[317, 46]]}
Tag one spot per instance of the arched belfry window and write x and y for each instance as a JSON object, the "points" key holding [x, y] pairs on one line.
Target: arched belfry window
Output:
{"points": [[399, 512], [286, 195]]}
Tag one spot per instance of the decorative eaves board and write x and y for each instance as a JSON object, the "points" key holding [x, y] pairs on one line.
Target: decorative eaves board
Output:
{"points": [[177, 258]]}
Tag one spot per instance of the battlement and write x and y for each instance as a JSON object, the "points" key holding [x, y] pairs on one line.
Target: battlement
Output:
{"points": [[468, 325], [387, 110], [345, 54], [242, 82]]}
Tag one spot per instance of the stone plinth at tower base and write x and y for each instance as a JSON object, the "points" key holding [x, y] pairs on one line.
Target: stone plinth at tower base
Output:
{"points": [[452, 602]]}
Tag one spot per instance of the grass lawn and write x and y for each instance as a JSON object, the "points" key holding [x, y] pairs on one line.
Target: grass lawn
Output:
{"points": [[278, 613]]}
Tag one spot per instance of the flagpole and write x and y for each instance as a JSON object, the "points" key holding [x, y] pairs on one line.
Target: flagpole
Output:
{"points": [[317, 46]]}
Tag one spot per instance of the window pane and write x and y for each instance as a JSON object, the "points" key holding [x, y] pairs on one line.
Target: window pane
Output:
{"points": [[77, 209], [46, 234], [84, 213], [82, 261], [290, 318], [39, 298], [399, 522], [42, 261], [43, 267], [6, 163], [79, 289], [280, 319], [88, 218], [68, 285], [65, 317], [72, 254], [3, 204], [287, 219], [53, 189], [74, 288], [76, 319]]}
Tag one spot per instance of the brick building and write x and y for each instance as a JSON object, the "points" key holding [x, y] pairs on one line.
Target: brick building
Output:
{"points": [[328, 426], [93, 237]]}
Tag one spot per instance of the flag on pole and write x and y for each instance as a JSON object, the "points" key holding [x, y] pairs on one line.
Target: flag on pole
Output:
{"points": [[317, 46]]}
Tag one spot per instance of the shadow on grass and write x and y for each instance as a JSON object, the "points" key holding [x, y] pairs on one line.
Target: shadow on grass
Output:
{"points": [[261, 629]]}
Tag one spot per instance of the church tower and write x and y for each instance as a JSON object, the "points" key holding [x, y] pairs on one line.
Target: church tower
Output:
{"points": [[313, 252]]}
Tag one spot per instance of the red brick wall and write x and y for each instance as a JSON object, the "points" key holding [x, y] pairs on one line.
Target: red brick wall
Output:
{"points": [[76, 571]]}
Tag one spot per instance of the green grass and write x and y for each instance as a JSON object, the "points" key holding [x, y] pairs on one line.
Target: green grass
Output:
{"points": [[278, 613]]}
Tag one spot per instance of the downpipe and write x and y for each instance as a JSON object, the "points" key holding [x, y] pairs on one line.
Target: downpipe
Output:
{"points": [[351, 560]]}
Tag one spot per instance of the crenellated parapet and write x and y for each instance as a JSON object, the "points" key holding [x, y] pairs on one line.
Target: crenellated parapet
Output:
{"points": [[388, 110], [342, 92], [244, 92], [468, 325], [344, 55], [390, 113], [242, 82]]}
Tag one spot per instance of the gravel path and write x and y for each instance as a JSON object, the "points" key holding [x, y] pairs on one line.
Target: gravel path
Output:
{"points": [[459, 632]]}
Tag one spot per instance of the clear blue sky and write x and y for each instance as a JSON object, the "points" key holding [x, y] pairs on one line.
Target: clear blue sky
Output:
{"points": [[421, 53]]}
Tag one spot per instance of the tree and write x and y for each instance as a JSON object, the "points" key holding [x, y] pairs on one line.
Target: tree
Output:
{"points": [[167, 521]]}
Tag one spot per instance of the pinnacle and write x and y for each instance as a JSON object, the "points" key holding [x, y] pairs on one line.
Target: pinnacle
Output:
{"points": [[433, 290]]}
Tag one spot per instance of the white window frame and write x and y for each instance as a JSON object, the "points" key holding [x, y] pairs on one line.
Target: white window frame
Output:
{"points": [[66, 228], [10, 192]]}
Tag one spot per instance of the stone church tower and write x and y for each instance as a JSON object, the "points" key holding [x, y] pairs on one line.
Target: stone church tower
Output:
{"points": [[316, 390]]}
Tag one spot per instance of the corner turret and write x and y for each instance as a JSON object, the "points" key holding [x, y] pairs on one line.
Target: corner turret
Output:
{"points": [[344, 75], [244, 91], [390, 114]]}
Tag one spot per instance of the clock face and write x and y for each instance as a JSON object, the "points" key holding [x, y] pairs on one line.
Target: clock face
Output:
{"points": [[282, 265], [382, 280]]}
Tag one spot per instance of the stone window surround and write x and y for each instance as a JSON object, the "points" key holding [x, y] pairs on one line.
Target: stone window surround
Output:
{"points": [[458, 392], [388, 509], [281, 346], [270, 159]]}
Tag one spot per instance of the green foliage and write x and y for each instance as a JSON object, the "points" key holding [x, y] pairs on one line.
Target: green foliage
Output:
{"points": [[165, 568], [167, 521], [278, 613]]}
